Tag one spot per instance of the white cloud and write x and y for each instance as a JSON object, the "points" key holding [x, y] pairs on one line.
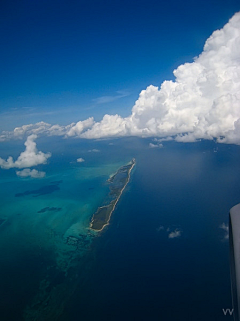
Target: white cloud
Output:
{"points": [[80, 160], [202, 103], [40, 128], [37, 128], [165, 139], [30, 173], [174, 234], [109, 126], [151, 145], [226, 229], [79, 127], [30, 157]]}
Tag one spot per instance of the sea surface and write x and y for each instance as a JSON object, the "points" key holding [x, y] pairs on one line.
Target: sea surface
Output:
{"points": [[164, 255]]}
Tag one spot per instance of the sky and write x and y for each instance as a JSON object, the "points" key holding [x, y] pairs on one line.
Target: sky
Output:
{"points": [[102, 66]]}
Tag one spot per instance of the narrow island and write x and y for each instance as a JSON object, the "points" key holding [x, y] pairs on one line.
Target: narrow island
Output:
{"points": [[117, 183]]}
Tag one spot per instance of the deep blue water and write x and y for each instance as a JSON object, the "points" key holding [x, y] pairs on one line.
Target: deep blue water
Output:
{"points": [[132, 270]]}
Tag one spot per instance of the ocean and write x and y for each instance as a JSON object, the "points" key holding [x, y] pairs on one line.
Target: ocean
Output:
{"points": [[164, 255]]}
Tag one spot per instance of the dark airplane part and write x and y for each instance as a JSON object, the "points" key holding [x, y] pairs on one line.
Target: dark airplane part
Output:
{"points": [[234, 243]]}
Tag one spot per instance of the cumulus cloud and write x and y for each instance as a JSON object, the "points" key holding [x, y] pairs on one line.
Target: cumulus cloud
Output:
{"points": [[40, 128], [202, 103], [79, 127], [225, 227], [174, 234], [37, 128], [151, 145], [109, 126], [80, 160], [30, 173], [30, 157]]}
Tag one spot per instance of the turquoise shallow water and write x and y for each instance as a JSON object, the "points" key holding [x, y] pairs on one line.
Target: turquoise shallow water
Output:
{"points": [[54, 268], [45, 227]]}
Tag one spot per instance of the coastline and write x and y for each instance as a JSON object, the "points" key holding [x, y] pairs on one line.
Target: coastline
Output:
{"points": [[114, 202]]}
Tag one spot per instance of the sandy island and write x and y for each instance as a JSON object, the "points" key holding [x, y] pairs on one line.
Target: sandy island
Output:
{"points": [[118, 182]]}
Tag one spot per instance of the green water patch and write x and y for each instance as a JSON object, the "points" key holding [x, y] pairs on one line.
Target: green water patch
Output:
{"points": [[45, 222]]}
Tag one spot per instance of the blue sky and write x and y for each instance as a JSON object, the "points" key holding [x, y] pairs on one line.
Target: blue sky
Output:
{"points": [[64, 61]]}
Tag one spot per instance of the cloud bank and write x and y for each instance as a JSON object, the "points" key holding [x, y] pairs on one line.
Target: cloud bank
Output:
{"points": [[202, 103], [30, 157]]}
